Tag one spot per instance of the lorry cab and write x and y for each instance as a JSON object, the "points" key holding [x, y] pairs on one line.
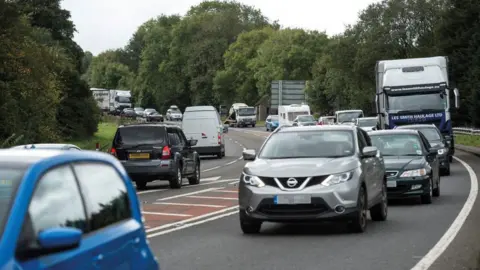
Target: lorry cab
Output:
{"points": [[288, 113]]}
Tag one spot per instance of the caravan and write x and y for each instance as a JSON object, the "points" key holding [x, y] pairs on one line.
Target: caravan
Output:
{"points": [[288, 113]]}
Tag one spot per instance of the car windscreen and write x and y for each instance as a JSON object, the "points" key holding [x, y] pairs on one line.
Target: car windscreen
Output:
{"points": [[10, 177], [306, 118], [367, 122], [309, 144], [135, 135], [430, 133], [348, 116], [274, 118], [246, 111], [397, 144]]}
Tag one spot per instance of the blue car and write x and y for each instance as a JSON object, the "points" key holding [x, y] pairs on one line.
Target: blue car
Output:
{"points": [[69, 210], [271, 123]]}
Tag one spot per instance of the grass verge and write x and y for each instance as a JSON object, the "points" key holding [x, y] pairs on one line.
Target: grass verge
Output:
{"points": [[468, 140], [104, 136]]}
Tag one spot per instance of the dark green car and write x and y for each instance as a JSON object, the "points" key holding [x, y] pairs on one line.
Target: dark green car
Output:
{"points": [[411, 164]]}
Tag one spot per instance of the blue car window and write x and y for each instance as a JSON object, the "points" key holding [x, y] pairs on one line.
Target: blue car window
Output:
{"points": [[56, 202], [105, 194]]}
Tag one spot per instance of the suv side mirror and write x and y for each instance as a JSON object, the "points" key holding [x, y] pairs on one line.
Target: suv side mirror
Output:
{"points": [[192, 142], [249, 154], [369, 151]]}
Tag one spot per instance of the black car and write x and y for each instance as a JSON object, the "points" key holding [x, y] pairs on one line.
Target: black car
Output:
{"points": [[151, 152], [411, 164], [436, 140], [154, 117], [128, 112]]}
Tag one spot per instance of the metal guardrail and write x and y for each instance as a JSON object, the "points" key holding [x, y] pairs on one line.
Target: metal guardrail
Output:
{"points": [[467, 131]]}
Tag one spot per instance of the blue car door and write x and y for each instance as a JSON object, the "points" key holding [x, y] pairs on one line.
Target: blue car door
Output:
{"points": [[56, 201], [116, 239]]}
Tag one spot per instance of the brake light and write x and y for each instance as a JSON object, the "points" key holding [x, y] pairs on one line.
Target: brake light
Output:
{"points": [[319, 123], [166, 154], [219, 138], [113, 151]]}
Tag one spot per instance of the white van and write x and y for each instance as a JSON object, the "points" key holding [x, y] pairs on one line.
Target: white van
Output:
{"points": [[203, 123]]}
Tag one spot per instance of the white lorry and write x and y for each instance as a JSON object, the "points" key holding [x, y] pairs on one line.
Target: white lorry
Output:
{"points": [[102, 96], [119, 100], [288, 113], [242, 115]]}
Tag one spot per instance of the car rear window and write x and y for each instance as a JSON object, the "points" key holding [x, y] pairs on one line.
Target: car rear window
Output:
{"points": [[135, 135], [10, 177]]}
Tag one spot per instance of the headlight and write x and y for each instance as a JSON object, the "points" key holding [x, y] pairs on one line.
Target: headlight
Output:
{"points": [[337, 178], [252, 180], [414, 173], [442, 151]]}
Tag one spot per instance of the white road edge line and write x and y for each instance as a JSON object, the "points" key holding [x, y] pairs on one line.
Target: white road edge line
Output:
{"points": [[195, 223], [191, 204], [181, 222], [429, 259], [227, 191], [165, 214], [212, 197], [201, 184]]}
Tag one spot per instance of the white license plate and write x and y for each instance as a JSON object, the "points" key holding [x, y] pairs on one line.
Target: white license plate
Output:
{"points": [[391, 184], [292, 199]]}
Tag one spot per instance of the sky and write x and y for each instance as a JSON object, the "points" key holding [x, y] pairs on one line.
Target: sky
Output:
{"points": [[109, 24]]}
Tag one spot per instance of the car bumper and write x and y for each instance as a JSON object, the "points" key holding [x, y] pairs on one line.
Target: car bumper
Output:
{"points": [[404, 188], [243, 122], [208, 150], [149, 170], [259, 203]]}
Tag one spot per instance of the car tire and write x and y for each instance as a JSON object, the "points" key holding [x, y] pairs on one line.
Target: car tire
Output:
{"points": [[195, 180], [379, 212], [436, 191], [266, 128], [248, 225], [427, 198], [176, 180], [446, 172], [359, 223], [141, 184], [450, 159], [219, 154], [253, 125]]}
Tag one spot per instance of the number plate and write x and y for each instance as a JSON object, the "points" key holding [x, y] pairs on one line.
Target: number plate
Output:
{"points": [[292, 199], [391, 184], [139, 156]]}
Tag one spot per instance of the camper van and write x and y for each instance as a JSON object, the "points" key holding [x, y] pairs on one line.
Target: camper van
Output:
{"points": [[203, 123], [288, 113]]}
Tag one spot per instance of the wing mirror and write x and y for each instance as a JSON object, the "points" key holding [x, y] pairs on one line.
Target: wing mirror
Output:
{"points": [[369, 151], [249, 154], [192, 142], [225, 128]]}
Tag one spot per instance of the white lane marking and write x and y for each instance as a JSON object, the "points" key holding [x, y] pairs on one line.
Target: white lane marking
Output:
{"points": [[457, 224], [227, 191], [236, 160], [165, 214], [211, 178], [182, 222], [212, 197], [191, 204], [195, 223], [234, 183], [201, 184], [188, 194], [150, 191]]}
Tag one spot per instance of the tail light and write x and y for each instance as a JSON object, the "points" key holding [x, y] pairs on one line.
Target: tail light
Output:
{"points": [[219, 138], [166, 154], [319, 123], [113, 151]]}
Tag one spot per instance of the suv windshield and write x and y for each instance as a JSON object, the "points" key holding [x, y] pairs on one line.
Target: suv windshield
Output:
{"points": [[9, 181], [309, 144], [306, 118], [397, 144], [367, 122], [431, 134], [135, 135]]}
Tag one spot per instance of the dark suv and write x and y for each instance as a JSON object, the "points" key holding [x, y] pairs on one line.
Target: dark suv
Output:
{"points": [[151, 152]]}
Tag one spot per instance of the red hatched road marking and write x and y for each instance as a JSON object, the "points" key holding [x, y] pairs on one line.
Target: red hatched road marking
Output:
{"points": [[186, 206]]}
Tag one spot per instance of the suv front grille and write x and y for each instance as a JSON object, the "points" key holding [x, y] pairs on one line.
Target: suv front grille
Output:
{"points": [[314, 180]]}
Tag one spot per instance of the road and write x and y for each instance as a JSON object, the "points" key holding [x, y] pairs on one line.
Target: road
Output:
{"points": [[197, 227]]}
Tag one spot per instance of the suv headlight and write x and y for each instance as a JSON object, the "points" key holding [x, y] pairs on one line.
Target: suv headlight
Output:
{"points": [[337, 178], [442, 151], [252, 180], [414, 173]]}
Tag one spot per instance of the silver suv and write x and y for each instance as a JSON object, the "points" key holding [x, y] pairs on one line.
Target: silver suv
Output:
{"points": [[313, 173]]}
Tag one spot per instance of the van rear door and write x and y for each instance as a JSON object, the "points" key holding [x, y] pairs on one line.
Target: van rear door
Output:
{"points": [[205, 130]]}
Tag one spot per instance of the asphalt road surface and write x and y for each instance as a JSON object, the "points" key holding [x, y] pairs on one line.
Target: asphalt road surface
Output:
{"points": [[197, 227]]}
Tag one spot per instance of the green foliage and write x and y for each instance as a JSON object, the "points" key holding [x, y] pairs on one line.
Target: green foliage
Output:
{"points": [[40, 75], [223, 52]]}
